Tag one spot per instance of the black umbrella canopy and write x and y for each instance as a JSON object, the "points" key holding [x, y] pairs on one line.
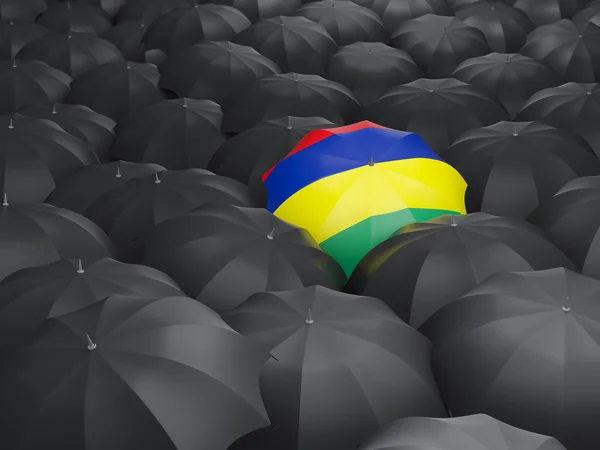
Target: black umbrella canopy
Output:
{"points": [[80, 191], [571, 51], [177, 134], [474, 432], [26, 10], [34, 234], [511, 77], [117, 90], [317, 393], [549, 11], [295, 44], [128, 37], [438, 110], [73, 53], [522, 348], [80, 121], [128, 372], [504, 27], [572, 106], [438, 43], [591, 13], [75, 17], [427, 265], [29, 297], [25, 83], [291, 94], [393, 12], [15, 34], [346, 21], [512, 167], [256, 10], [187, 26], [111, 7], [592, 182], [36, 155], [149, 9], [222, 254]]}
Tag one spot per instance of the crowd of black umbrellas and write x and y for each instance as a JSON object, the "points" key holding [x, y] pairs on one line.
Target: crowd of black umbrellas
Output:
{"points": [[149, 300]]}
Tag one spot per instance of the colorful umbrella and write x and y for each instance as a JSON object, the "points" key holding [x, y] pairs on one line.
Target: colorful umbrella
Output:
{"points": [[352, 187]]}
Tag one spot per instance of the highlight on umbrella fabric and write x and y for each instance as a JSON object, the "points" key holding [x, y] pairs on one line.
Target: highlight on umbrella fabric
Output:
{"points": [[352, 187]]}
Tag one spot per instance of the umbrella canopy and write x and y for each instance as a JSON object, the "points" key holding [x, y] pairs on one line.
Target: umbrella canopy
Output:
{"points": [[155, 373], [222, 254], [256, 10], [177, 134], [291, 94], [26, 10], [109, 6], [371, 68], [335, 375], [542, 374], [30, 297], [475, 432], [78, 192], [572, 106], [352, 187], [80, 121], [425, 266], [571, 51], [116, 90], [580, 183], [128, 38], [182, 27], [512, 78], [25, 83], [438, 43], [591, 13], [393, 12], [550, 11], [512, 167], [34, 234], [75, 17], [437, 110], [149, 9], [295, 44], [15, 34]]}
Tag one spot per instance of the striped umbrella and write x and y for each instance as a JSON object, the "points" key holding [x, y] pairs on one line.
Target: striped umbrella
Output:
{"points": [[352, 187]]}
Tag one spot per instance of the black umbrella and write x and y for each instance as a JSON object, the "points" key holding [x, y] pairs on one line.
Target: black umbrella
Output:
{"points": [[31, 296], [75, 17], [571, 51], [109, 6], [187, 26], [80, 121], [222, 254], [592, 182], [427, 265], [522, 347], [150, 9], [262, 9], [127, 214], [25, 83], [591, 13], [512, 167], [572, 106], [15, 34], [371, 68], [342, 366], [34, 234], [438, 43], [291, 94], [295, 44], [512, 78], [35, 155], [438, 110], [74, 54], [26, 10], [504, 27], [129, 372], [177, 134], [128, 38], [117, 90], [393, 12], [81, 190], [475, 432], [455, 5], [549, 11], [345, 21]]}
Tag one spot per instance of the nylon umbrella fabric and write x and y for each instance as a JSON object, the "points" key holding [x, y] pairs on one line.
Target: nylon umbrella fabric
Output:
{"points": [[111, 7], [428, 265], [291, 94], [550, 11], [353, 187], [201, 388], [393, 12], [75, 17], [15, 34], [513, 167], [256, 10], [222, 254], [316, 392], [32, 296], [26, 10], [532, 337], [149, 9], [127, 37], [437, 110], [473, 432], [588, 14], [510, 77]]}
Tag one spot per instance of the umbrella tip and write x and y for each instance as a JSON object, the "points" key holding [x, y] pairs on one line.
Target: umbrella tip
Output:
{"points": [[566, 308], [371, 162], [91, 345], [589, 92], [69, 35], [185, 105], [79, 266], [156, 178], [10, 124], [271, 235], [12, 21], [309, 319], [4, 199], [14, 63], [118, 175], [229, 47], [53, 108], [453, 224]]}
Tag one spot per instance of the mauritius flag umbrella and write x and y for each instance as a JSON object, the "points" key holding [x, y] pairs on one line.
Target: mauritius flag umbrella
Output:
{"points": [[352, 187]]}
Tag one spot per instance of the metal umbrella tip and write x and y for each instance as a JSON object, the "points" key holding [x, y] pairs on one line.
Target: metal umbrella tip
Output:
{"points": [[118, 175], [515, 134], [185, 105], [371, 162], [229, 46], [156, 178], [10, 124], [430, 90], [14, 63], [53, 108], [309, 319], [4, 199], [69, 35], [79, 266], [271, 235], [128, 65], [91, 345], [566, 308], [589, 92]]}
